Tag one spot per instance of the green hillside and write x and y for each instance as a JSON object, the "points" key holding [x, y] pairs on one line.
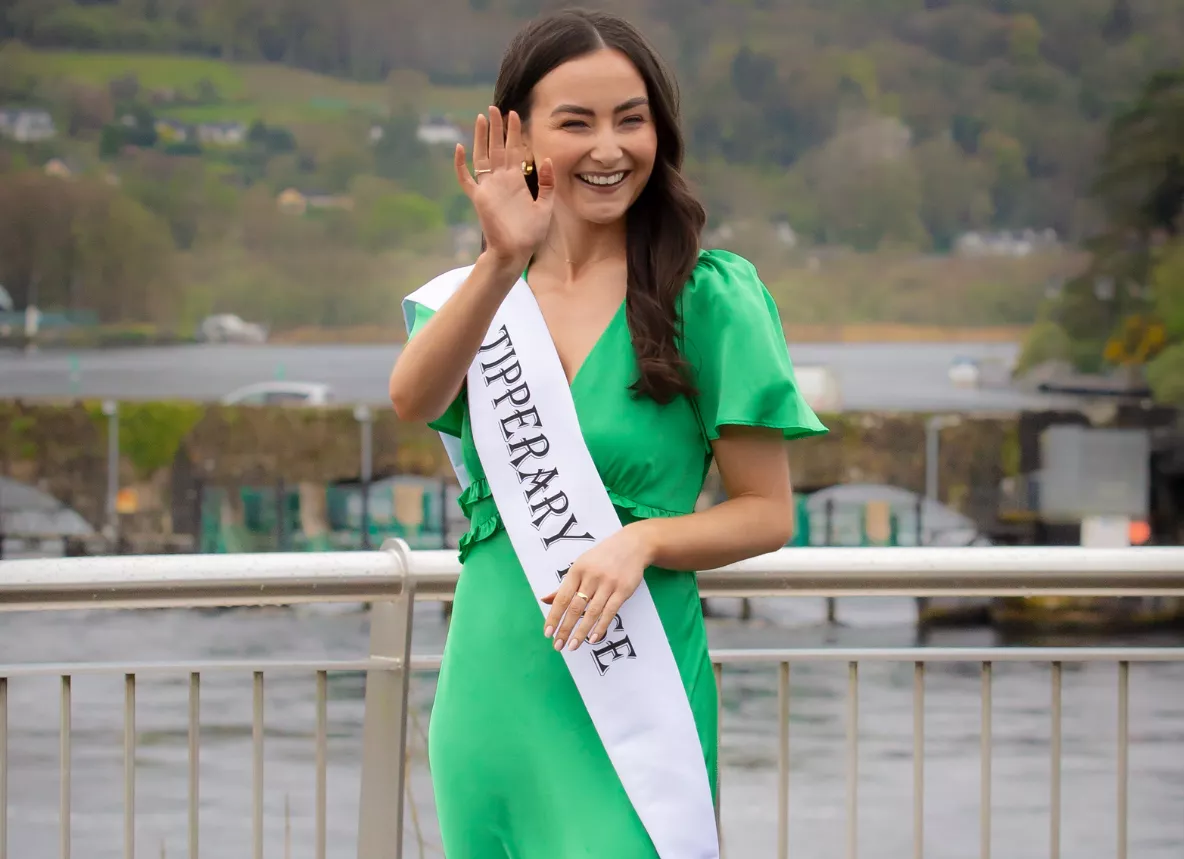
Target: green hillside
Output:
{"points": [[1003, 103], [844, 145]]}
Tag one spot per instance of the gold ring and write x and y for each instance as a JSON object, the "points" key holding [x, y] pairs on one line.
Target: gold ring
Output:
{"points": [[583, 596]]}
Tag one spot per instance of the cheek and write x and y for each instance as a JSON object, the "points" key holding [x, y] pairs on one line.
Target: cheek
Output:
{"points": [[563, 157], [645, 151]]}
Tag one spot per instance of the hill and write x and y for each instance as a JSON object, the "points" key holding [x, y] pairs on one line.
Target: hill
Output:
{"points": [[844, 145], [217, 90], [1011, 96]]}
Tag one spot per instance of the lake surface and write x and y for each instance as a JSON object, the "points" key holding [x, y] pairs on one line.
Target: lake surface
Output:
{"points": [[871, 376], [749, 752]]}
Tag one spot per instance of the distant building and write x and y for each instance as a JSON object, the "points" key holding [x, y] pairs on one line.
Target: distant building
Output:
{"points": [[1019, 243], [26, 125], [58, 167], [438, 131], [294, 201], [466, 242], [222, 133], [173, 131]]}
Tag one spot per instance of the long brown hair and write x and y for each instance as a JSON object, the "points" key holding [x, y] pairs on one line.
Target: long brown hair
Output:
{"points": [[664, 224]]}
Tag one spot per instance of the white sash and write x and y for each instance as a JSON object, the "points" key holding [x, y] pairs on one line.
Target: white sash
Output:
{"points": [[555, 508]]}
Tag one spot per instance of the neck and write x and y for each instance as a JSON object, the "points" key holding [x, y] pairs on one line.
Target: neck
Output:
{"points": [[572, 246]]}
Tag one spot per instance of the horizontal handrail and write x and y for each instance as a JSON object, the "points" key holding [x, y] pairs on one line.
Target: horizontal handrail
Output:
{"points": [[278, 578], [748, 657], [162, 581]]}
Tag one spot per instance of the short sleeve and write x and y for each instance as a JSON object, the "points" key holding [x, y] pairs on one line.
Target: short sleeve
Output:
{"points": [[452, 421], [734, 342]]}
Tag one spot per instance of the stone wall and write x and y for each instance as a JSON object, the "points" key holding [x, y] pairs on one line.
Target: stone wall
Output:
{"points": [[166, 447]]}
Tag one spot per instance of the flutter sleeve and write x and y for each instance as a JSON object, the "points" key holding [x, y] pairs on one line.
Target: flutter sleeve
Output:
{"points": [[452, 421], [734, 342]]}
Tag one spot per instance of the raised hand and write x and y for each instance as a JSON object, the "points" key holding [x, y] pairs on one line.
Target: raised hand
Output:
{"points": [[513, 222]]}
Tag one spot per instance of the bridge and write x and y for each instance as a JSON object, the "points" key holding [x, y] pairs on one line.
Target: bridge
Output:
{"points": [[394, 579]]}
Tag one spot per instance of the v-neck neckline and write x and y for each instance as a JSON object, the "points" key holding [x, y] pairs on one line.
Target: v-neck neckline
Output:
{"points": [[595, 345]]}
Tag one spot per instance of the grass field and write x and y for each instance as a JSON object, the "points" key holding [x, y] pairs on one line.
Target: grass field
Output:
{"points": [[153, 70], [917, 289], [271, 92]]}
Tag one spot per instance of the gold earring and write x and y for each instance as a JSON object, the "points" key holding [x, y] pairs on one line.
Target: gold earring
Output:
{"points": [[527, 168]]}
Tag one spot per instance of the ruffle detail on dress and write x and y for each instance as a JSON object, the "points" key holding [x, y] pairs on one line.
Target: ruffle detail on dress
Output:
{"points": [[485, 520]]}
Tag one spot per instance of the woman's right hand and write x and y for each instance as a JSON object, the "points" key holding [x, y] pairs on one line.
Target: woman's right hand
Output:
{"points": [[514, 223]]}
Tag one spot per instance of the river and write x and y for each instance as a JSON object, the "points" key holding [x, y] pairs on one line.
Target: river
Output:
{"points": [[749, 748]]}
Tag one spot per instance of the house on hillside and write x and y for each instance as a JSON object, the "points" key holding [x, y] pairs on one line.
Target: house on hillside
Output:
{"points": [[466, 242], [294, 201], [1005, 243], [27, 124], [438, 131], [222, 133], [58, 167], [173, 131]]}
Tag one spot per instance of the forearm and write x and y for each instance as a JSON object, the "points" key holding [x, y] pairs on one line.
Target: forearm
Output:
{"points": [[432, 366], [731, 531]]}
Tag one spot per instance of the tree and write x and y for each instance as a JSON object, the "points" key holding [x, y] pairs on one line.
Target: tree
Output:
{"points": [[866, 186], [955, 191], [1141, 181], [80, 243], [1128, 306], [88, 108]]}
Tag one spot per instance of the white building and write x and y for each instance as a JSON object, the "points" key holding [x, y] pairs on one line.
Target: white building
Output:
{"points": [[27, 125], [437, 131]]}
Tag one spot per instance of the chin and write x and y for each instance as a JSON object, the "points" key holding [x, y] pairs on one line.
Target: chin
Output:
{"points": [[602, 215], [607, 211]]}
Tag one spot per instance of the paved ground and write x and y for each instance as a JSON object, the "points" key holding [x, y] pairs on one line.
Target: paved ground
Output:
{"points": [[906, 377]]}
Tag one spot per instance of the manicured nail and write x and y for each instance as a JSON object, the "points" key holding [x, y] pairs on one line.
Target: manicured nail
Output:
{"points": [[595, 638], [548, 631], [559, 644], [575, 642]]}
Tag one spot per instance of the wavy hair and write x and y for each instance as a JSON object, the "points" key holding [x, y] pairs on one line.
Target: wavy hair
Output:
{"points": [[664, 224]]}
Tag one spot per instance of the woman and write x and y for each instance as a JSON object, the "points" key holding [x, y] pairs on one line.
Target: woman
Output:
{"points": [[594, 343]]}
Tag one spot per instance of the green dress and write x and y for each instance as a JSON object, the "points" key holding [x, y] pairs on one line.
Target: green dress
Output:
{"points": [[517, 766]]}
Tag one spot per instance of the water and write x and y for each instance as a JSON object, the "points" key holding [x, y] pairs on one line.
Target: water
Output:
{"points": [[871, 376], [1021, 727]]}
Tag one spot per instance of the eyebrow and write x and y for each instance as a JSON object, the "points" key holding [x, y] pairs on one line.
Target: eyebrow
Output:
{"points": [[583, 111]]}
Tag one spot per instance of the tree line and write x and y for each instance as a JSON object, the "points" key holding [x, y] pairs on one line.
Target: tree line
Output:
{"points": [[1011, 95]]}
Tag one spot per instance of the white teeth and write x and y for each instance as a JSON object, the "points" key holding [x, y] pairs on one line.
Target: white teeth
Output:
{"points": [[611, 179]]}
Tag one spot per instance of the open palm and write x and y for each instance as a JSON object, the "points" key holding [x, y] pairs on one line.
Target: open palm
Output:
{"points": [[514, 223]]}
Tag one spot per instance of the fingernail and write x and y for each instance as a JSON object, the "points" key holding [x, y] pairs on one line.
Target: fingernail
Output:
{"points": [[559, 644], [575, 642], [548, 631], [595, 638]]}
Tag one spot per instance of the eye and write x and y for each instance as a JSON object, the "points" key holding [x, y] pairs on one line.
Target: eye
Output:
{"points": [[633, 120], [573, 123]]}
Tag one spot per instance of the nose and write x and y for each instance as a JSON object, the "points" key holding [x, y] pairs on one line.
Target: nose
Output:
{"points": [[607, 150]]}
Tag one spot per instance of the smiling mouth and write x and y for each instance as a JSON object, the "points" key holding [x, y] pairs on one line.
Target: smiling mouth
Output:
{"points": [[603, 180]]}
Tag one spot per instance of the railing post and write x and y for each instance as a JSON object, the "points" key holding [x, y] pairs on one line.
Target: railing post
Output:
{"points": [[384, 726]]}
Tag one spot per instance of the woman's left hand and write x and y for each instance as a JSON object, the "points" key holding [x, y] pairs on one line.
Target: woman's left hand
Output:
{"points": [[595, 588]]}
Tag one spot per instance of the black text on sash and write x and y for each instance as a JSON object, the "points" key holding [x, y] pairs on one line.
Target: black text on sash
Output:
{"points": [[542, 484]]}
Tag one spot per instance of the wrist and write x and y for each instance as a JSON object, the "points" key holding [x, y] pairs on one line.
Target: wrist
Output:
{"points": [[647, 533], [503, 266]]}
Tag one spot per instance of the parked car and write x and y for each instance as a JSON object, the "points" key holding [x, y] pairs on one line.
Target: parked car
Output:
{"points": [[280, 393], [965, 372], [228, 328]]}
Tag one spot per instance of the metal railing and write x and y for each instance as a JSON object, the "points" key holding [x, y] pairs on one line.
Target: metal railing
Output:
{"points": [[392, 579]]}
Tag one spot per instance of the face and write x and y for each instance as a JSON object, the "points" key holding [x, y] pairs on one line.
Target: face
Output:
{"points": [[591, 117]]}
